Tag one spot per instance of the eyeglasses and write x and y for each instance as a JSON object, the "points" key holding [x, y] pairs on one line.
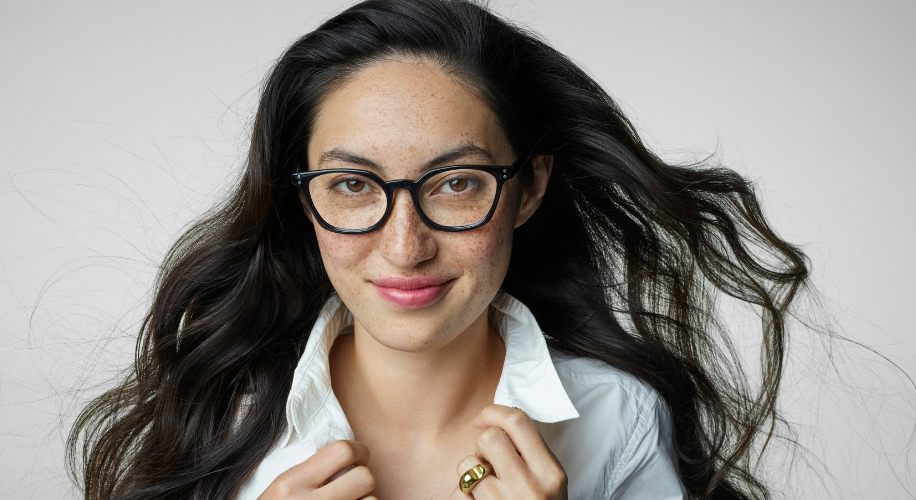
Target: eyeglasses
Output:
{"points": [[454, 198]]}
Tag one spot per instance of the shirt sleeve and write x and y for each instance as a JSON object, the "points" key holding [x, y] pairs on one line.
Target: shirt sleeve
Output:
{"points": [[647, 468]]}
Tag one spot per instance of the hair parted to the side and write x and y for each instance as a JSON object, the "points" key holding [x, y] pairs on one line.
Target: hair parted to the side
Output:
{"points": [[622, 263]]}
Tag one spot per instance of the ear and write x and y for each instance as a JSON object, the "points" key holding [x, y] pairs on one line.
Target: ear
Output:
{"points": [[533, 193]]}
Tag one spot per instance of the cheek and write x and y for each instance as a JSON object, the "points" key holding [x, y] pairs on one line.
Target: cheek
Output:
{"points": [[486, 251], [341, 252], [489, 246]]}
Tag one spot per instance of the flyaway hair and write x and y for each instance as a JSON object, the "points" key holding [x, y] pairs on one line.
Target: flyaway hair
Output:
{"points": [[623, 262]]}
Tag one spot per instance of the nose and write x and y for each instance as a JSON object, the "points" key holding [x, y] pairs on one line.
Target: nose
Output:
{"points": [[406, 241]]}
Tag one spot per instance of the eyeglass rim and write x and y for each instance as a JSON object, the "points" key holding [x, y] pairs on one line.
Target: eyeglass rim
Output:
{"points": [[301, 181]]}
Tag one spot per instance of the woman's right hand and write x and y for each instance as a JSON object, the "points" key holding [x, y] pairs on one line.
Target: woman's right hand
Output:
{"points": [[309, 480]]}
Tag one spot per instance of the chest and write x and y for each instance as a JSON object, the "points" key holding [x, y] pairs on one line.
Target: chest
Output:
{"points": [[417, 470]]}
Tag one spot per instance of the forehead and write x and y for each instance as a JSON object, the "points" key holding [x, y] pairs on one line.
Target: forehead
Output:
{"points": [[404, 111]]}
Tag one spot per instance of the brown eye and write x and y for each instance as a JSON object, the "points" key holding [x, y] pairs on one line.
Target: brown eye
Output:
{"points": [[457, 185], [355, 186]]}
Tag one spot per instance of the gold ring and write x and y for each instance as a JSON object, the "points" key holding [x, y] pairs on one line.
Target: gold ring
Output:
{"points": [[473, 476]]}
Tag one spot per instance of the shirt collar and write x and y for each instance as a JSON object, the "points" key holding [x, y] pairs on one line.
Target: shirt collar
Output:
{"points": [[529, 380]]}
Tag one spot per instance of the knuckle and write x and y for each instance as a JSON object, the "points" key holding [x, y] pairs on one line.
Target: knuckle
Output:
{"points": [[490, 436], [282, 486], [365, 477], [518, 418], [343, 450], [555, 481]]}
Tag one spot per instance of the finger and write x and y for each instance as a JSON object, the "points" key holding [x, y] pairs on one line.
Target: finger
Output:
{"points": [[356, 483], [522, 432], [467, 462], [485, 489], [316, 471], [495, 447], [458, 495]]}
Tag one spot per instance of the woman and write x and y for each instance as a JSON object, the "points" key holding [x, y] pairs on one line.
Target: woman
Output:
{"points": [[450, 270]]}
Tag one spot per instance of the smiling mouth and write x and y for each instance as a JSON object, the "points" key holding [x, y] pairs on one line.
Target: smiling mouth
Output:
{"points": [[411, 293]]}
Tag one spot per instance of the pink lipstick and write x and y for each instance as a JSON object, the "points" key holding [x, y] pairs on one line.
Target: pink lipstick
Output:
{"points": [[411, 293]]}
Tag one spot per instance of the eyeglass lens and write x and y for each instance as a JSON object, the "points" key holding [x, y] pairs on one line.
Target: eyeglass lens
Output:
{"points": [[452, 198]]}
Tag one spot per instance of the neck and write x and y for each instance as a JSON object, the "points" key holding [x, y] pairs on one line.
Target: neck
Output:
{"points": [[420, 394]]}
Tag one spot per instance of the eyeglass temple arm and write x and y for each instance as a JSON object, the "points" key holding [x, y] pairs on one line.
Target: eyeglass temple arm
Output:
{"points": [[516, 167]]}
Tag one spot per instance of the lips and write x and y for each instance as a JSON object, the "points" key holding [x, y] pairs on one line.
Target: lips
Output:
{"points": [[411, 293]]}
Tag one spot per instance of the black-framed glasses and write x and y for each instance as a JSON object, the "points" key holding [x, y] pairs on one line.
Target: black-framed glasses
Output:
{"points": [[454, 198]]}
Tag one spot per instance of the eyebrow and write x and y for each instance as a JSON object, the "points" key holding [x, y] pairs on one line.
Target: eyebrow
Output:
{"points": [[460, 152]]}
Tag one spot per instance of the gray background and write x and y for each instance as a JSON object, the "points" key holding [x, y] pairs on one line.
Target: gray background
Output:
{"points": [[121, 123]]}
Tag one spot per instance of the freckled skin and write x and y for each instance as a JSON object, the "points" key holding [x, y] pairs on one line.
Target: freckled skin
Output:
{"points": [[411, 381], [402, 114]]}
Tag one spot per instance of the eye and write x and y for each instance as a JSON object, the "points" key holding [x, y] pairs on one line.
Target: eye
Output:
{"points": [[457, 185], [353, 186]]}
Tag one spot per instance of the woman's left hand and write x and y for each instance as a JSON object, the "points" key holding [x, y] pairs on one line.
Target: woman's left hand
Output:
{"points": [[523, 466]]}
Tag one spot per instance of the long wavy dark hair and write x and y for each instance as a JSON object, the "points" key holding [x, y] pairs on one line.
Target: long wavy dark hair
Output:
{"points": [[624, 262]]}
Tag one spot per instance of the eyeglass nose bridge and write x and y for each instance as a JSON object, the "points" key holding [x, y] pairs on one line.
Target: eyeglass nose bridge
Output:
{"points": [[407, 184], [412, 188]]}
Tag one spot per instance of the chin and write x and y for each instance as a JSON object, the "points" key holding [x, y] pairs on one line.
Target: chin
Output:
{"points": [[414, 340], [423, 329]]}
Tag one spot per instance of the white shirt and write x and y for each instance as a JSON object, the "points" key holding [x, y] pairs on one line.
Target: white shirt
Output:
{"points": [[610, 431]]}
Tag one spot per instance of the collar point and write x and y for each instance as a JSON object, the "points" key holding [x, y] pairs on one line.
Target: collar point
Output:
{"points": [[554, 417]]}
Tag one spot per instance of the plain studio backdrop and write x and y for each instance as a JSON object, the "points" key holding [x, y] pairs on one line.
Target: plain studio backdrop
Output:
{"points": [[122, 122]]}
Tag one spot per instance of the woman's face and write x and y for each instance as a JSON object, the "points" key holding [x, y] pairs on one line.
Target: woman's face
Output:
{"points": [[410, 287]]}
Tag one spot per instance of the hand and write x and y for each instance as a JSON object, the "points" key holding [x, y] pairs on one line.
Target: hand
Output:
{"points": [[309, 480], [523, 466]]}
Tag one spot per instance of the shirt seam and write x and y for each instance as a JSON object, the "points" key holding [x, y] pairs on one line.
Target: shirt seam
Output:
{"points": [[634, 388], [594, 379], [300, 432], [616, 468], [612, 376]]}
